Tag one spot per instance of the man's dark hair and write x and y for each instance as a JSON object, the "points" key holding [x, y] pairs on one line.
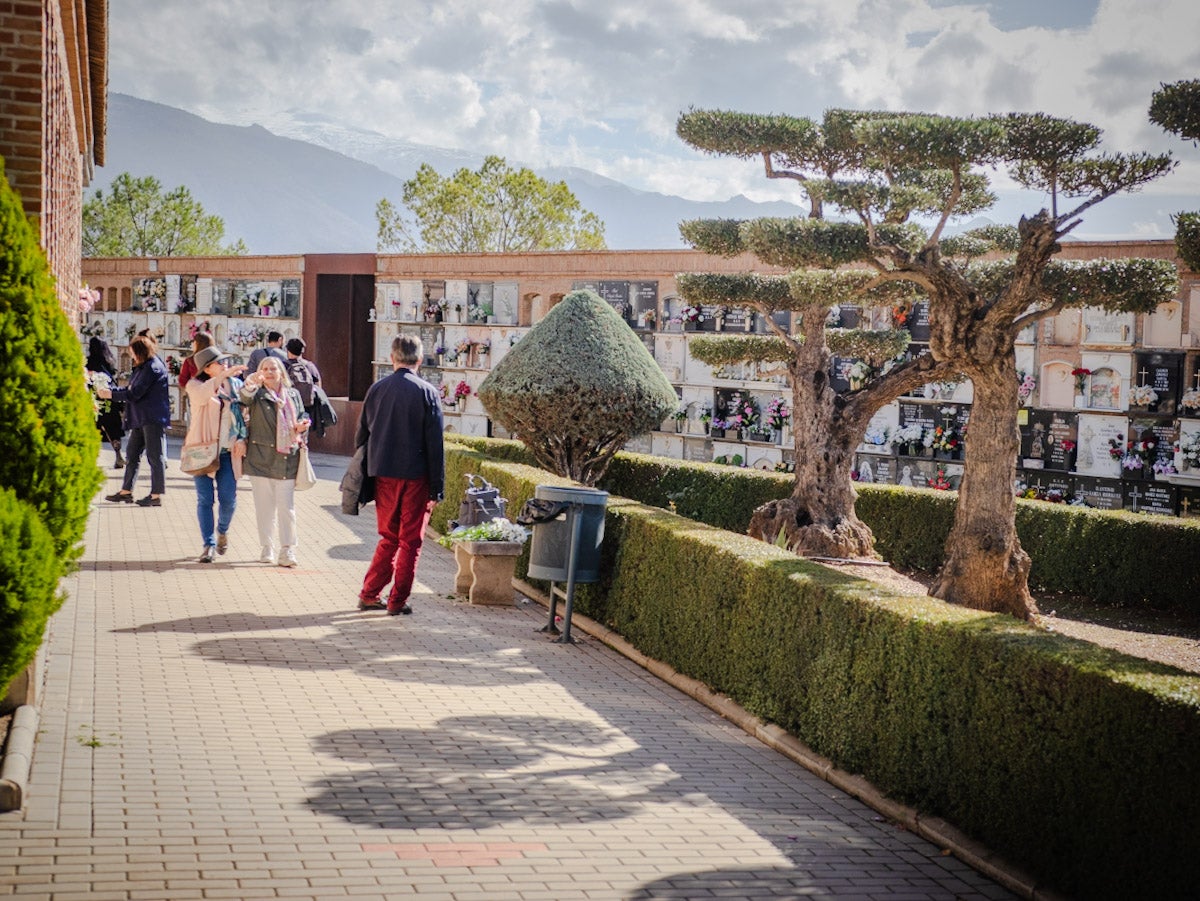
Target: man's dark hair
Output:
{"points": [[407, 350], [296, 346], [274, 337]]}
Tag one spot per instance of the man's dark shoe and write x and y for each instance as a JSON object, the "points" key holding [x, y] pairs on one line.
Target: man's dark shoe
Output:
{"points": [[371, 605], [119, 498], [394, 609], [148, 501]]}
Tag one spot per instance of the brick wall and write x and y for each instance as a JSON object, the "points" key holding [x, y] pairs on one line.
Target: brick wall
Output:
{"points": [[38, 132]]}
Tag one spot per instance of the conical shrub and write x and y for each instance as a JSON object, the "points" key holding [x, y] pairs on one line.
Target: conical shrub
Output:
{"points": [[577, 387]]}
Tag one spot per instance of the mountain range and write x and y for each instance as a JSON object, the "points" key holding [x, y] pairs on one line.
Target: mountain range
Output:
{"points": [[314, 188], [308, 186]]}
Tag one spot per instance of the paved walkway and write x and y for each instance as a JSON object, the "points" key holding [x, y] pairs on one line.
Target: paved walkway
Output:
{"points": [[240, 731]]}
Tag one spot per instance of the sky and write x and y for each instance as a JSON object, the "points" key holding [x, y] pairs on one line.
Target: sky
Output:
{"points": [[600, 85]]}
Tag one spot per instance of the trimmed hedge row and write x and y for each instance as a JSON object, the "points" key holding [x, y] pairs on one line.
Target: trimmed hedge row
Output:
{"points": [[1113, 558], [29, 572], [1074, 761]]}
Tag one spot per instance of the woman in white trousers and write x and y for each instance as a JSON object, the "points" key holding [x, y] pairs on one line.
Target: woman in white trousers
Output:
{"points": [[275, 429]]}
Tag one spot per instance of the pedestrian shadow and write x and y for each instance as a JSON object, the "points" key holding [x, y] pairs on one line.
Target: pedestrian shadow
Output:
{"points": [[364, 644], [476, 772], [232, 622], [362, 552], [125, 565], [769, 882]]}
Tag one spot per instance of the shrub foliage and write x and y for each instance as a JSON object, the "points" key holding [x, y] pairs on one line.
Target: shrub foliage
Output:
{"points": [[1073, 761], [49, 444], [577, 387]]}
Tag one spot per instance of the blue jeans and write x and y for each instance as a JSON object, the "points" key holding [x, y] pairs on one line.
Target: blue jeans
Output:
{"points": [[226, 498], [151, 438]]}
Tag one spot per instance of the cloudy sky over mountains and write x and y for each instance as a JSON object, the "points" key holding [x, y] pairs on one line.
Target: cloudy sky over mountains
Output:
{"points": [[599, 85]]}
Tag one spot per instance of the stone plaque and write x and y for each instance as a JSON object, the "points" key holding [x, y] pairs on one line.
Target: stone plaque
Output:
{"points": [[698, 451], [924, 415], [1092, 454], [1161, 372], [616, 295], [839, 373], [849, 316], [1163, 432], [1048, 440], [1048, 483], [1188, 499], [1151, 497], [1103, 494], [918, 321]]}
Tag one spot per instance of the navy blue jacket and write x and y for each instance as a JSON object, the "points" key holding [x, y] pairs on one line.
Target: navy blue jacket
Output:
{"points": [[401, 426], [147, 398]]}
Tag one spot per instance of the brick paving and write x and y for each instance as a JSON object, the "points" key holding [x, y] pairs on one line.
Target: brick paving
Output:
{"points": [[240, 731]]}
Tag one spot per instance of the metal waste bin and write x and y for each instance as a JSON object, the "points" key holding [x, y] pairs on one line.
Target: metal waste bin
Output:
{"points": [[550, 547]]}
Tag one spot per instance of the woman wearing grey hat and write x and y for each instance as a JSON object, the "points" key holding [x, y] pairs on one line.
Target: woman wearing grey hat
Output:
{"points": [[216, 414]]}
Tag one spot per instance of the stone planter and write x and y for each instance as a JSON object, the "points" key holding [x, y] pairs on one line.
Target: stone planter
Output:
{"points": [[492, 564]]}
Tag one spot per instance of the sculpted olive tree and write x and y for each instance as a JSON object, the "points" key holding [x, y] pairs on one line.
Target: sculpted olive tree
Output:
{"points": [[897, 180]]}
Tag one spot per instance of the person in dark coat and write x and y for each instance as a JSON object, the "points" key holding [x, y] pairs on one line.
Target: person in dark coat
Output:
{"points": [[147, 415], [100, 361], [401, 427]]}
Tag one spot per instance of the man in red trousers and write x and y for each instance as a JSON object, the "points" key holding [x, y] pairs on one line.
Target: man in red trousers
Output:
{"points": [[401, 426]]}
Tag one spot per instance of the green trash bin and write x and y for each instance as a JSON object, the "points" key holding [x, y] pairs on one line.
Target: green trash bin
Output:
{"points": [[550, 547]]}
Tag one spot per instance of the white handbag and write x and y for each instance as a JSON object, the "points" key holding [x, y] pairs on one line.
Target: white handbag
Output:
{"points": [[305, 477]]}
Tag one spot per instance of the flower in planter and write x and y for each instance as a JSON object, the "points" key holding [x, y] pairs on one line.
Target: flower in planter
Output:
{"points": [[939, 482], [1164, 468], [859, 371], [461, 390], [462, 347], [497, 529], [1117, 447], [1068, 445], [909, 434], [1081, 376], [440, 349], [1027, 386], [778, 413], [1143, 396], [485, 347], [876, 435], [1191, 399], [681, 413], [688, 314]]}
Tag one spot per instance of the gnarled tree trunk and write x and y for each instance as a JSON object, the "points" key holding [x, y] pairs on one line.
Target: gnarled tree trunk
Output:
{"points": [[985, 567], [818, 520]]}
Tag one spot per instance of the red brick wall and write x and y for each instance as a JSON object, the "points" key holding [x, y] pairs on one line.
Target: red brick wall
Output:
{"points": [[38, 135]]}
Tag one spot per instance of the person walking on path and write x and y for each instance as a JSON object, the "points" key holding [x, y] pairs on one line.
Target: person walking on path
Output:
{"points": [[401, 427], [216, 414], [188, 370], [275, 427], [304, 375], [274, 349], [100, 361], [147, 415]]}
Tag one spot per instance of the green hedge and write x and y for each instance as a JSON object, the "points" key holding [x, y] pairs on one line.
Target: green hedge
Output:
{"points": [[29, 574], [49, 442], [1077, 763], [1111, 557]]}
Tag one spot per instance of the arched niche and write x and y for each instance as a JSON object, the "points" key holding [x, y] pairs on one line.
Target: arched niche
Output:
{"points": [[1104, 389], [1056, 386]]}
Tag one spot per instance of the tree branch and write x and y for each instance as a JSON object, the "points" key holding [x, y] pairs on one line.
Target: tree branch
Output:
{"points": [[815, 209], [955, 193]]}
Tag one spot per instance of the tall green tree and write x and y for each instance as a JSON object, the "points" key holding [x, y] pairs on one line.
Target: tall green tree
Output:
{"points": [[1176, 108], [48, 447], [497, 209], [134, 218], [884, 172]]}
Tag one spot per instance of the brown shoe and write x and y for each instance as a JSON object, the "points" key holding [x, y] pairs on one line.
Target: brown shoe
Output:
{"points": [[222, 542]]}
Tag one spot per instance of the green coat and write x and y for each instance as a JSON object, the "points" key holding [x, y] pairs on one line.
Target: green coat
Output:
{"points": [[261, 457]]}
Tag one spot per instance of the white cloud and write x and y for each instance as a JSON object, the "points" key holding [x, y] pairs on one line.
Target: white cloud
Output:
{"points": [[599, 86]]}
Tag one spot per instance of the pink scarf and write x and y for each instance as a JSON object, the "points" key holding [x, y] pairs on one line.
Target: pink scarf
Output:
{"points": [[286, 438]]}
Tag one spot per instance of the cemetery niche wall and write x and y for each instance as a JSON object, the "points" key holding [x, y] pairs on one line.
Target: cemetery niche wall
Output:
{"points": [[1110, 403]]}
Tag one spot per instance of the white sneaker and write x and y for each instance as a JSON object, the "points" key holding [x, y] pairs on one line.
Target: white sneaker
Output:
{"points": [[268, 556], [288, 558]]}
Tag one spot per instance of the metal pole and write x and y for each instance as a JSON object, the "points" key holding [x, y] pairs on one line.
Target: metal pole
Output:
{"points": [[572, 561], [550, 626]]}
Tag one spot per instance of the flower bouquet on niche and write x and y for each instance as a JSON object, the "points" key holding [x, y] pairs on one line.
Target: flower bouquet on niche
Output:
{"points": [[1142, 396]]}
